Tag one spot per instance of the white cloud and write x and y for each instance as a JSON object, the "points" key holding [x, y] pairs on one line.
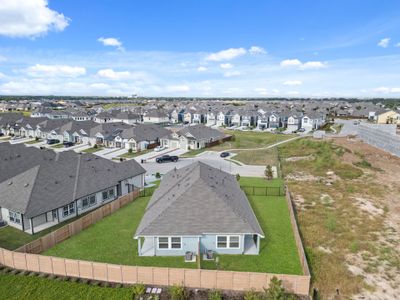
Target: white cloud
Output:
{"points": [[2, 75], [387, 90], [312, 65], [39, 70], [113, 42], [384, 43], [292, 82], [111, 74], [99, 86], [226, 66], [177, 88], [291, 63], [303, 66], [261, 91], [232, 73], [29, 18], [255, 50], [397, 45], [293, 93], [3, 58], [227, 54], [202, 69]]}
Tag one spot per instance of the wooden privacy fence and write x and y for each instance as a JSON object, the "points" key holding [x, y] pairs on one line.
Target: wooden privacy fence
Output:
{"points": [[57, 236], [263, 191], [191, 278]]}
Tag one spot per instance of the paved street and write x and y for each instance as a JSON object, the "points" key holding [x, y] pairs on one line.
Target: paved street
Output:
{"points": [[348, 128]]}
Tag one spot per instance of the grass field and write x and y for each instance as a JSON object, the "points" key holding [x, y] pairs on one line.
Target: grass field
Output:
{"points": [[262, 157], [98, 243], [33, 142], [58, 146], [28, 287], [134, 154], [92, 150], [12, 238]]}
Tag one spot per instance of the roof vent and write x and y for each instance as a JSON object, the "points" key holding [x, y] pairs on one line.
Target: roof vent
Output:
{"points": [[26, 184], [10, 183]]}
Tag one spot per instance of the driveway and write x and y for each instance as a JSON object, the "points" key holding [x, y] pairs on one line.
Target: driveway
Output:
{"points": [[151, 156], [211, 158], [20, 141], [348, 128]]}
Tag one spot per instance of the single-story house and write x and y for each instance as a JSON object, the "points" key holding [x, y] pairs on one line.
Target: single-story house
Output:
{"points": [[196, 209], [40, 188]]}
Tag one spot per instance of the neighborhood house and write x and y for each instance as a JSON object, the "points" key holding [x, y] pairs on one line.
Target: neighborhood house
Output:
{"points": [[198, 209]]}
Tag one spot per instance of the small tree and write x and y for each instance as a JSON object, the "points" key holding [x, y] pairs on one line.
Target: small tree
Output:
{"points": [[268, 172], [138, 290], [178, 292], [252, 295], [95, 146], [158, 175], [275, 290], [130, 150], [238, 177]]}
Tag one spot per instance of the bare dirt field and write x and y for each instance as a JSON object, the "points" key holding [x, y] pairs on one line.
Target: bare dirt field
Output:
{"points": [[348, 204]]}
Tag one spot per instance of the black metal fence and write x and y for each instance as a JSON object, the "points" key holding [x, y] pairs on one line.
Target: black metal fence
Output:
{"points": [[264, 191], [147, 191]]}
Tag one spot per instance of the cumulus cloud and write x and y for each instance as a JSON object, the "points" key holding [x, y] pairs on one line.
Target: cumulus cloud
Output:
{"points": [[292, 82], [202, 69], [29, 18], [261, 91], [384, 43], [303, 66], [255, 50], [111, 74], [227, 54], [291, 63], [113, 42], [232, 73], [177, 88], [39, 70], [226, 66]]}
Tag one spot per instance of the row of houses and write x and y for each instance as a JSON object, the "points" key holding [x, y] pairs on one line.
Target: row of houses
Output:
{"points": [[114, 135], [40, 188]]}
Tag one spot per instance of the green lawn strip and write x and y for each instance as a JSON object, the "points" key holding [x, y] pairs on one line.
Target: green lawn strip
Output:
{"points": [[193, 153], [33, 142], [29, 287], [58, 146], [12, 238], [111, 240], [92, 150], [134, 154], [260, 182], [278, 252]]}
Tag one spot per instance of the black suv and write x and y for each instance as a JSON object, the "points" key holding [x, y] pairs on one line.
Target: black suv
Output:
{"points": [[224, 154], [68, 144], [52, 141], [166, 158]]}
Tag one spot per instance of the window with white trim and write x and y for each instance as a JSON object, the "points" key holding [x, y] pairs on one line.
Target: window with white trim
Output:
{"points": [[108, 194], [69, 209], [14, 217], [228, 241], [88, 201], [169, 243]]}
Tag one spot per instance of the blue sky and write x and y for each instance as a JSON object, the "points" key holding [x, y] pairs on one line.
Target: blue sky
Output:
{"points": [[300, 48]]}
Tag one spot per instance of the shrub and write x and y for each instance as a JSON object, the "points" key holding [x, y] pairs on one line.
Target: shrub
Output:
{"points": [[275, 290], [138, 290], [178, 292], [252, 295], [214, 295], [95, 146], [158, 175], [130, 150], [268, 172], [237, 177]]}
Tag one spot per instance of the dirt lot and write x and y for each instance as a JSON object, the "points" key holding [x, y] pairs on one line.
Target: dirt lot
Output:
{"points": [[348, 203]]}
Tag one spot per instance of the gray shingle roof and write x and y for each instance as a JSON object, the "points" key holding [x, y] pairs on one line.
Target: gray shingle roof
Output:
{"points": [[200, 132], [34, 181], [196, 200]]}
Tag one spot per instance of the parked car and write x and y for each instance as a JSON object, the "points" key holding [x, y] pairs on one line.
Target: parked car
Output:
{"points": [[356, 122], [159, 148], [68, 144], [224, 154], [52, 141], [301, 130], [167, 158]]}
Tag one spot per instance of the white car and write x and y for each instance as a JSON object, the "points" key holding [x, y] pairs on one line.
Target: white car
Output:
{"points": [[159, 148]]}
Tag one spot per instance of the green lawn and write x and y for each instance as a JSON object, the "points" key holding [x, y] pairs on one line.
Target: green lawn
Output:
{"points": [[278, 250], [92, 150], [29, 287], [12, 238], [33, 141], [193, 153], [111, 240], [58, 146], [134, 154]]}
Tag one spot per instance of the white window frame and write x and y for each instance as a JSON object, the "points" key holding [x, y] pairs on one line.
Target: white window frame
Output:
{"points": [[89, 204], [14, 217], [109, 196], [169, 242], [228, 241], [69, 209]]}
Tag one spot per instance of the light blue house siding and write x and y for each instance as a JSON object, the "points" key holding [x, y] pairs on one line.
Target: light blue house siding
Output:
{"points": [[148, 246]]}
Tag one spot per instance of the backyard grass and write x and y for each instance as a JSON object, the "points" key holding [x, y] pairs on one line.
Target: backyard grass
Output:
{"points": [[262, 157], [92, 150], [278, 252], [12, 238], [99, 242], [29, 287]]}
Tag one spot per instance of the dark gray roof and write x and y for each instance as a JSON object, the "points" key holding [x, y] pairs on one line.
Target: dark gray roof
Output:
{"points": [[145, 132], [200, 132], [196, 200], [34, 181]]}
